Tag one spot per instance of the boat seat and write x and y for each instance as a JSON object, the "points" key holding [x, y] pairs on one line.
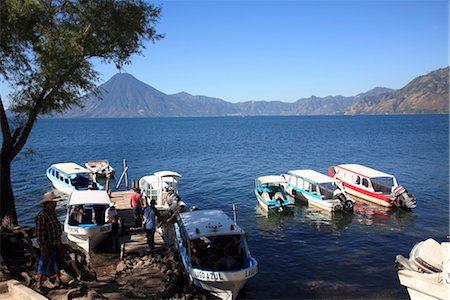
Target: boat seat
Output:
{"points": [[266, 196]]}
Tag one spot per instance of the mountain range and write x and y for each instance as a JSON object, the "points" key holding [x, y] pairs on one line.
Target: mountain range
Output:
{"points": [[125, 96]]}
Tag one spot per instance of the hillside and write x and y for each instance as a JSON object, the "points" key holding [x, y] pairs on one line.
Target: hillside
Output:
{"points": [[125, 96], [427, 94]]}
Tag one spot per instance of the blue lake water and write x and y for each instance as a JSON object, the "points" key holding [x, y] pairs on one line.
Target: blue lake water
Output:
{"points": [[310, 254]]}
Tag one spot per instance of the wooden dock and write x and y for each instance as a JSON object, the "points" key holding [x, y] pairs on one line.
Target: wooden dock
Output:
{"points": [[136, 240]]}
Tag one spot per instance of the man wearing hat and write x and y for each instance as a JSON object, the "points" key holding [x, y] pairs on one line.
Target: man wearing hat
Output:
{"points": [[48, 235]]}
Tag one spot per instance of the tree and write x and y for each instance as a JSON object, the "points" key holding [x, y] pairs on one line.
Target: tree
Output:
{"points": [[46, 52]]}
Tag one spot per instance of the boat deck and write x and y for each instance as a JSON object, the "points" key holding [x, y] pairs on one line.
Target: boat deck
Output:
{"points": [[136, 241]]}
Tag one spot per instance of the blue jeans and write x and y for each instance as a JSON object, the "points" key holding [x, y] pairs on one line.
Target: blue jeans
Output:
{"points": [[150, 238], [49, 264]]}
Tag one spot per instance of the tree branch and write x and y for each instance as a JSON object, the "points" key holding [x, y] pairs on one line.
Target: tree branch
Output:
{"points": [[5, 125], [29, 125]]}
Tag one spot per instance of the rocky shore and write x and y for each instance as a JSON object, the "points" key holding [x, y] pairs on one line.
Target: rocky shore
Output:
{"points": [[136, 276]]}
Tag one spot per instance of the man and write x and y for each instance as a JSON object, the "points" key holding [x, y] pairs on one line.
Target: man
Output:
{"points": [[111, 216], [136, 205], [48, 235], [178, 206], [149, 224]]}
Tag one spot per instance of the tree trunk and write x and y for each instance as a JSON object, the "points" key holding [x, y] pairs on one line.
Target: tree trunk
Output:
{"points": [[8, 216]]}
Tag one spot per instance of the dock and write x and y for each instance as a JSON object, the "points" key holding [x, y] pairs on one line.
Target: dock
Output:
{"points": [[136, 240]]}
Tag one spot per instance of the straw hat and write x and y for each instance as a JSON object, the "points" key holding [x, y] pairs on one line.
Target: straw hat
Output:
{"points": [[49, 197]]}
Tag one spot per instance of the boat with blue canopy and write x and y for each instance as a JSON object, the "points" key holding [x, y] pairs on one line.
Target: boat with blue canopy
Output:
{"points": [[318, 190], [69, 177]]}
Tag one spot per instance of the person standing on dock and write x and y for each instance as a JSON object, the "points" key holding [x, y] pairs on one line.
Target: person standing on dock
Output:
{"points": [[48, 234], [149, 224], [136, 205]]}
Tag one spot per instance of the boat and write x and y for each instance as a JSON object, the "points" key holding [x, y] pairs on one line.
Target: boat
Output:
{"points": [[426, 273], [318, 190], [85, 218], [373, 185], [271, 195], [162, 187], [101, 168], [69, 177], [214, 252]]}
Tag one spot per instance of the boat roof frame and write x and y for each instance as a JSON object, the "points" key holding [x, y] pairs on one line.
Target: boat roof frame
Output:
{"points": [[209, 222], [100, 197], [70, 168], [313, 176], [275, 179], [364, 171]]}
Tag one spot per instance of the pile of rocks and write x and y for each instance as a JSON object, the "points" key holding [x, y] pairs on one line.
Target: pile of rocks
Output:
{"points": [[160, 275]]}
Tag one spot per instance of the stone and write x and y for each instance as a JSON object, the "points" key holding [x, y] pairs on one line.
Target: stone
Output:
{"points": [[121, 266]]}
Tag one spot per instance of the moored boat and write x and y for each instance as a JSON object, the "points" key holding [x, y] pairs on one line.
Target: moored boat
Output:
{"points": [[100, 167], [214, 252], [271, 195], [69, 177], [426, 273], [85, 219], [373, 185], [319, 190], [162, 187]]}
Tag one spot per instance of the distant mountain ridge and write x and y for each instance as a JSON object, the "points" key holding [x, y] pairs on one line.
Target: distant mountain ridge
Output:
{"points": [[125, 96]]}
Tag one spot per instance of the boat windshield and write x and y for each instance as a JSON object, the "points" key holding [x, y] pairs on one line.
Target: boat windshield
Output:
{"points": [[223, 252], [80, 181], [327, 189], [382, 184], [87, 214]]}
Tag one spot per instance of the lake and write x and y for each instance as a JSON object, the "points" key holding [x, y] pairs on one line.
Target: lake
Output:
{"points": [[311, 254]]}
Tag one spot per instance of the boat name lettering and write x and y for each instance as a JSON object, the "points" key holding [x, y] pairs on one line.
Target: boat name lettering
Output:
{"points": [[73, 230], [250, 272], [212, 276]]}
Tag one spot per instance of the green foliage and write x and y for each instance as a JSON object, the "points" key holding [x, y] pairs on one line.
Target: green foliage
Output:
{"points": [[46, 46]]}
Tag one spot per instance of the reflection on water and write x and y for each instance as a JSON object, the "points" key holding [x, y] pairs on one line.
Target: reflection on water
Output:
{"points": [[370, 214], [323, 220]]}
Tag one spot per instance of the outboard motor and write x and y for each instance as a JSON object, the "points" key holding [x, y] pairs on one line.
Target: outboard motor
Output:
{"points": [[347, 204], [280, 209], [403, 199]]}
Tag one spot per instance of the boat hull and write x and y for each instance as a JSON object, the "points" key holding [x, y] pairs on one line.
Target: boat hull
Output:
{"points": [[372, 197], [327, 205], [62, 187], [423, 286], [87, 237], [223, 284]]}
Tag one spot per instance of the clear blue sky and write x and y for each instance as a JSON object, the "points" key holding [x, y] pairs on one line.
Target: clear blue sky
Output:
{"points": [[286, 50]]}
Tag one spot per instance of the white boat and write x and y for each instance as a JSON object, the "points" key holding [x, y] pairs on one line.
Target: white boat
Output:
{"points": [[426, 273], [100, 167], [69, 177], [85, 219], [271, 196], [373, 185], [161, 187], [214, 252], [318, 190]]}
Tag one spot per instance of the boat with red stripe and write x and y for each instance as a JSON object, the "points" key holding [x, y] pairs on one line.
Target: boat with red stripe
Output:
{"points": [[373, 185]]}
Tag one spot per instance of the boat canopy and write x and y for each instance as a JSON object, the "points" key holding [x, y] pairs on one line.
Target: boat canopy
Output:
{"points": [[70, 168], [89, 197], [275, 179], [208, 223], [364, 171], [167, 174], [312, 175]]}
